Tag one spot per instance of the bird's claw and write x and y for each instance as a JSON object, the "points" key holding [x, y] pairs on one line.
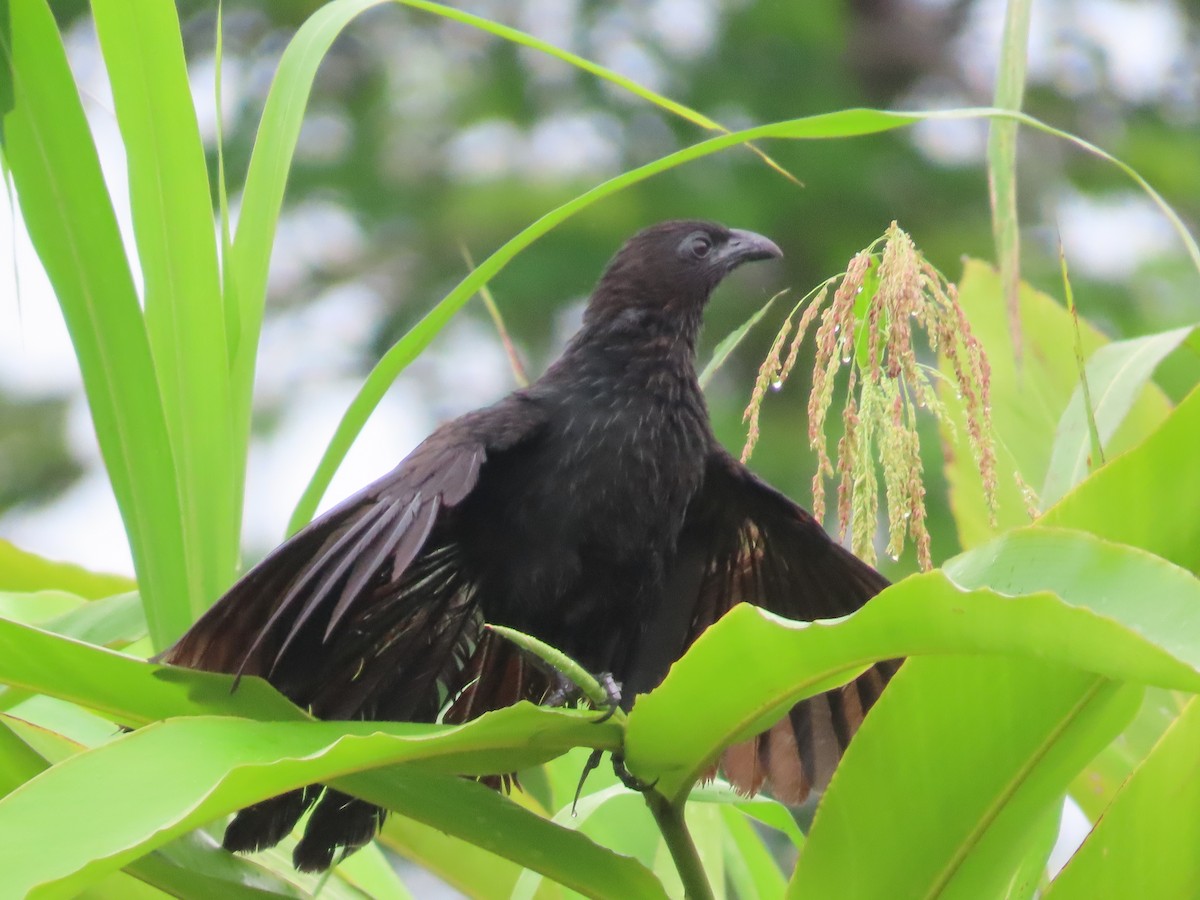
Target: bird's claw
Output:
{"points": [[565, 689], [628, 779], [612, 689]]}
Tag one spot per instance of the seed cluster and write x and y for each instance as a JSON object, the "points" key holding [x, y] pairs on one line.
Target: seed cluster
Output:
{"points": [[888, 291]]}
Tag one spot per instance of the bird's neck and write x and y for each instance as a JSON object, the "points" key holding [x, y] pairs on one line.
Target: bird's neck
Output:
{"points": [[637, 336]]}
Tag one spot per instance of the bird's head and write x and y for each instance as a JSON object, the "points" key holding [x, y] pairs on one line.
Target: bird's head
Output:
{"points": [[675, 266]]}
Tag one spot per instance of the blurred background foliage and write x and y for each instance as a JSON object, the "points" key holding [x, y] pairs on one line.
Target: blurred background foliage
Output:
{"points": [[426, 138]]}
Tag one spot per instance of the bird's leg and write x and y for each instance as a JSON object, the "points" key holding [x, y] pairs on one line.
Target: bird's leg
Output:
{"points": [[612, 688], [564, 689]]}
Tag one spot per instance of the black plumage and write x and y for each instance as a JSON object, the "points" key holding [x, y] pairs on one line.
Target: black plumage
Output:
{"points": [[594, 510]]}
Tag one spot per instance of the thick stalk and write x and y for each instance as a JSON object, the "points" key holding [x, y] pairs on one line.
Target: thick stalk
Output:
{"points": [[669, 817]]}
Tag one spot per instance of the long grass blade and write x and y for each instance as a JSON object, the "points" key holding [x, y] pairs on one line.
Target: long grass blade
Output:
{"points": [[70, 220], [185, 321], [1002, 159], [845, 123]]}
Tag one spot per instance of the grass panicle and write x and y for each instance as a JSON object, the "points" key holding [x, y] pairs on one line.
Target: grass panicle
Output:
{"points": [[888, 292]]}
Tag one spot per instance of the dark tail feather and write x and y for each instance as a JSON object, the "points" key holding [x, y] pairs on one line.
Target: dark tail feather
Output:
{"points": [[340, 822], [800, 752], [265, 824]]}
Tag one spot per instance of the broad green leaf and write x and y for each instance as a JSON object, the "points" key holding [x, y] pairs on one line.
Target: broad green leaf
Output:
{"points": [[1145, 843], [573, 818], [38, 607], [114, 621], [1095, 787], [24, 572], [677, 729], [1116, 374], [185, 320], [1027, 400], [949, 777], [760, 807], [752, 869], [200, 768], [1147, 497], [71, 223], [193, 865], [493, 823], [462, 865], [124, 689], [18, 761], [1030, 876]]}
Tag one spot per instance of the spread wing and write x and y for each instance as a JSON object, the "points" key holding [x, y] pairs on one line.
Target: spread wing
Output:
{"points": [[369, 611], [746, 542]]}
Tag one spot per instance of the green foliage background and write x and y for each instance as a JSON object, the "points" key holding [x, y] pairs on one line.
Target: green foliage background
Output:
{"points": [[1047, 660]]}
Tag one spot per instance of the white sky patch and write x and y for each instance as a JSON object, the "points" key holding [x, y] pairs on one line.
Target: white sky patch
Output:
{"points": [[684, 28], [1109, 237]]}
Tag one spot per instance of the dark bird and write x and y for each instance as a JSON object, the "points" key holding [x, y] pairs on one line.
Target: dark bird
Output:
{"points": [[594, 510]]}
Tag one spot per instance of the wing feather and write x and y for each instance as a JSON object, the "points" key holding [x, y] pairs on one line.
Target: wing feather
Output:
{"points": [[744, 542]]}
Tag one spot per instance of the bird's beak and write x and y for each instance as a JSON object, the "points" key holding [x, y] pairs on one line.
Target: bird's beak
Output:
{"points": [[746, 246]]}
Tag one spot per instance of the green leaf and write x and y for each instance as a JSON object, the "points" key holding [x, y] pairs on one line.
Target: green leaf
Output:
{"points": [[38, 607], [462, 865], [18, 761], [988, 745], [752, 869], [185, 319], [71, 223], [127, 690], [114, 621], [24, 572], [1147, 497], [730, 342], [1002, 153], [194, 865], [1027, 401], [1145, 843], [491, 822], [1095, 787], [262, 195], [1116, 375], [205, 767], [677, 729]]}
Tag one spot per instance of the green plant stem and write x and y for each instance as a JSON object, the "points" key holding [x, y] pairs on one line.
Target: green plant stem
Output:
{"points": [[669, 817], [1089, 410]]}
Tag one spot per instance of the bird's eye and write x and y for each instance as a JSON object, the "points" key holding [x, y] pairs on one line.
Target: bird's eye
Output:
{"points": [[699, 246]]}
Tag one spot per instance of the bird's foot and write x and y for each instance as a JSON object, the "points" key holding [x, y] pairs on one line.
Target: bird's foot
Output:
{"points": [[565, 690], [628, 779], [612, 689]]}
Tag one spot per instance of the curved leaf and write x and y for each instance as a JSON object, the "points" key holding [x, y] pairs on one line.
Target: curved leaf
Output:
{"points": [[1145, 843], [1116, 374], [25, 572], [70, 218], [1147, 497], [127, 690], [952, 773], [677, 729], [189, 771]]}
